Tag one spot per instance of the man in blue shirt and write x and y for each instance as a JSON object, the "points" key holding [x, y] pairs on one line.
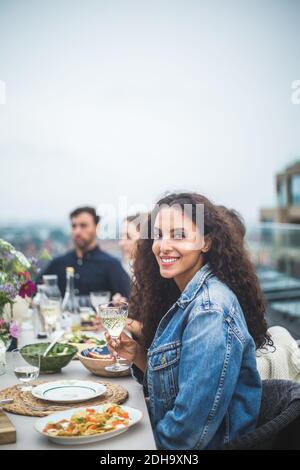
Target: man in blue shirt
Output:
{"points": [[94, 269]]}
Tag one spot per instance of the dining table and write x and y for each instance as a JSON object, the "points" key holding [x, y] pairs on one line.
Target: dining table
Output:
{"points": [[137, 437]]}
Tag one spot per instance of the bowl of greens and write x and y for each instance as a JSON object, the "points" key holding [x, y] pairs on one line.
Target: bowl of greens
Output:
{"points": [[83, 340], [57, 358]]}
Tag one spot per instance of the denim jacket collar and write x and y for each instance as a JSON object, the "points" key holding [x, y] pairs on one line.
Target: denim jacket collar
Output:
{"points": [[194, 285], [186, 297]]}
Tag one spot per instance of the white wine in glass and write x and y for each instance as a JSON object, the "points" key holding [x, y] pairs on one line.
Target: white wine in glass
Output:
{"points": [[114, 319], [51, 310]]}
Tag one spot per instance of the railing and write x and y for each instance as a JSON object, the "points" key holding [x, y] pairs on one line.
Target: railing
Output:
{"points": [[275, 251], [275, 246]]}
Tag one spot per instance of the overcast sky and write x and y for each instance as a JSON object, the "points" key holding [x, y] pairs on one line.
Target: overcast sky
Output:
{"points": [[134, 98]]}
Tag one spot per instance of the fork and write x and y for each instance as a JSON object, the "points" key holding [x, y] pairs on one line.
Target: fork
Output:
{"points": [[5, 401]]}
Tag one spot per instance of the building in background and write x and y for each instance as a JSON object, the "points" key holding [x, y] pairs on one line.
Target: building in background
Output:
{"points": [[275, 248], [288, 197]]}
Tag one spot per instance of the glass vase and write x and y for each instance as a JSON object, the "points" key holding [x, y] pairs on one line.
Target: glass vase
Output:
{"points": [[5, 343]]}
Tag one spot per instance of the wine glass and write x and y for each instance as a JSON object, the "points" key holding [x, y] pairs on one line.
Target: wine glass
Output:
{"points": [[26, 367], [51, 311], [114, 319], [84, 301], [99, 297]]}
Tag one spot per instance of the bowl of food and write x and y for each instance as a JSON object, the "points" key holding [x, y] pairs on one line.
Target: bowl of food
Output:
{"points": [[96, 359], [57, 358], [82, 340]]}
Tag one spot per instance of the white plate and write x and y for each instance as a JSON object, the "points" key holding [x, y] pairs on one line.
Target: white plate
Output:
{"points": [[68, 391], [134, 417]]}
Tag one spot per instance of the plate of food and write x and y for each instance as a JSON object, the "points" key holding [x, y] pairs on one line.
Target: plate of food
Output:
{"points": [[86, 425], [68, 391]]}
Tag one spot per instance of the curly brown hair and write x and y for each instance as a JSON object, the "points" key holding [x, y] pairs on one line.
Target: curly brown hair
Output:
{"points": [[153, 295]]}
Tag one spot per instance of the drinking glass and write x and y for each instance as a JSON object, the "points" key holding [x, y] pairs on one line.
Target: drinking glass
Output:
{"points": [[84, 301], [26, 367], [51, 312], [2, 358], [114, 319], [51, 286], [99, 297]]}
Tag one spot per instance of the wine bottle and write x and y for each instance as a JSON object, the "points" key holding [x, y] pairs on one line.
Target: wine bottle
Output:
{"points": [[39, 321], [70, 307]]}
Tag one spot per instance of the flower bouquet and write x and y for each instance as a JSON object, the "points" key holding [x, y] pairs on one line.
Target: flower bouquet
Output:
{"points": [[8, 330], [15, 279]]}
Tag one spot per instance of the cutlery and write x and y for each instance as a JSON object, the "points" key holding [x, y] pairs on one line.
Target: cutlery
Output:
{"points": [[6, 401], [60, 335], [51, 408]]}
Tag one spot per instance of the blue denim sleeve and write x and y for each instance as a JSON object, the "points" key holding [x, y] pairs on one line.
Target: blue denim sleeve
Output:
{"points": [[209, 368]]}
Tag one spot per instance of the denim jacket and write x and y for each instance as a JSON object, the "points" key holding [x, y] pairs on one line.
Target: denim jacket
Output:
{"points": [[201, 377]]}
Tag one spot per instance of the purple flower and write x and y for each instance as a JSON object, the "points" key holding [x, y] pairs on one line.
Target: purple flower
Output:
{"points": [[8, 256], [14, 329], [34, 263], [9, 290], [16, 281]]}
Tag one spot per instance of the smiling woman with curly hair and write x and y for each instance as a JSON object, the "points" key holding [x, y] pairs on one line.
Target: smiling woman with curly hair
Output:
{"points": [[198, 299]]}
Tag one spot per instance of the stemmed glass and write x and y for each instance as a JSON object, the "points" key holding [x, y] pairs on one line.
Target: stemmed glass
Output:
{"points": [[84, 301], [114, 319], [99, 297], [51, 312], [26, 367]]}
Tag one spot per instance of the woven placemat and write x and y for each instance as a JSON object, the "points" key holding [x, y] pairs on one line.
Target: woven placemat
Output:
{"points": [[26, 404]]}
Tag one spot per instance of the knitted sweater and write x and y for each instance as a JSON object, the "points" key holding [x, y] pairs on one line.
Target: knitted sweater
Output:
{"points": [[281, 362]]}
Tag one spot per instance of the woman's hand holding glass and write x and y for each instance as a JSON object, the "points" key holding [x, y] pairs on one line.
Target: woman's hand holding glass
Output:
{"points": [[128, 349], [124, 346]]}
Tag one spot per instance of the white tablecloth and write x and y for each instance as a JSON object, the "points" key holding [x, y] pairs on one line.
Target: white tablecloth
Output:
{"points": [[139, 436]]}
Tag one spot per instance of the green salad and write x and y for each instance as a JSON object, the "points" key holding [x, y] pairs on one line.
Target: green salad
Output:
{"points": [[81, 338]]}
